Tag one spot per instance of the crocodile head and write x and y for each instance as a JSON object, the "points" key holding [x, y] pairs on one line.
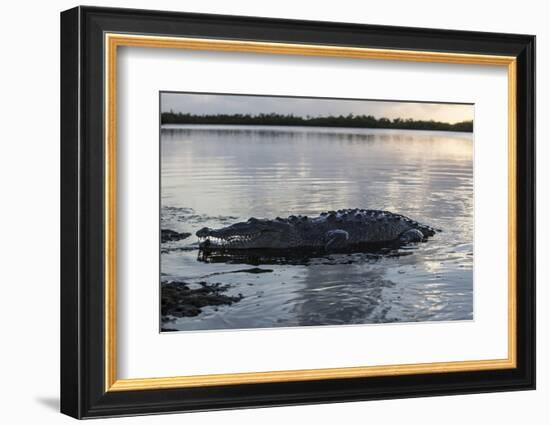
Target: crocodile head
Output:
{"points": [[252, 234]]}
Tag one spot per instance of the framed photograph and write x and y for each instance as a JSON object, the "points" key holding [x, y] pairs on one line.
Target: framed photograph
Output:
{"points": [[261, 212]]}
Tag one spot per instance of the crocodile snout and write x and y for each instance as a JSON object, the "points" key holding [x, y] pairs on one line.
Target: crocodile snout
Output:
{"points": [[202, 233]]}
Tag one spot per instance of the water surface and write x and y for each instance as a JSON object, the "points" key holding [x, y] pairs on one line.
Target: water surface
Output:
{"points": [[216, 175]]}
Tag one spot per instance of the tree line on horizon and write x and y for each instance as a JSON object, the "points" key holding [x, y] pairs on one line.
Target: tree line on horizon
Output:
{"points": [[355, 121]]}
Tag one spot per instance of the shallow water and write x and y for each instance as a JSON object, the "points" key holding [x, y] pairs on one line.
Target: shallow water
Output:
{"points": [[217, 175]]}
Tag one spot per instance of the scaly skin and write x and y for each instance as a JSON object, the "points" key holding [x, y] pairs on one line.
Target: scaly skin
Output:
{"points": [[333, 230]]}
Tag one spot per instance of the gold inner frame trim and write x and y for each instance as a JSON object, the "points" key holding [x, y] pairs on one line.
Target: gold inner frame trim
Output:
{"points": [[113, 41]]}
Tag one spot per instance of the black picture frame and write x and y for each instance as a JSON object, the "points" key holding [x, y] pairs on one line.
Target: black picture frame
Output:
{"points": [[83, 392]]}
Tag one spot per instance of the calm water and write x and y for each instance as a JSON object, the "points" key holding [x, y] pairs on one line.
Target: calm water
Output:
{"points": [[216, 175]]}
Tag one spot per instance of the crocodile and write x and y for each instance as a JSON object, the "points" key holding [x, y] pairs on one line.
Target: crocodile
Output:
{"points": [[344, 229]]}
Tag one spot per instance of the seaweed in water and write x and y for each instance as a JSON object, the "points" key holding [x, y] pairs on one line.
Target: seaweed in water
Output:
{"points": [[178, 300], [167, 235]]}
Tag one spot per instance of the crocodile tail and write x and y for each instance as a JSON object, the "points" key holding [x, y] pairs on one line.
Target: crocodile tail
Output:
{"points": [[427, 230]]}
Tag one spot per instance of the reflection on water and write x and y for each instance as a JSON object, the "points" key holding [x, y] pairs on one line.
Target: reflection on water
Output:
{"points": [[217, 175]]}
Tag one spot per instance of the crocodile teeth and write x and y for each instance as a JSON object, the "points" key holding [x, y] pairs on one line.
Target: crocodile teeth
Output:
{"points": [[230, 240]]}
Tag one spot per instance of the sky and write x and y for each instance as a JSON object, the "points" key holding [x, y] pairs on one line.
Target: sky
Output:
{"points": [[212, 104]]}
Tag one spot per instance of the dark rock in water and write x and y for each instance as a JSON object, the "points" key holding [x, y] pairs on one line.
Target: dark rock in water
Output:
{"points": [[179, 300], [255, 270], [167, 235]]}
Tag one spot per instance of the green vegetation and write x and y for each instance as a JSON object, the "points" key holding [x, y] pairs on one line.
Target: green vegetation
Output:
{"points": [[355, 121]]}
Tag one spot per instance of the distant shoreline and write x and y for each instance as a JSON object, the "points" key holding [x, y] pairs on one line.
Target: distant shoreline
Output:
{"points": [[350, 121], [289, 127]]}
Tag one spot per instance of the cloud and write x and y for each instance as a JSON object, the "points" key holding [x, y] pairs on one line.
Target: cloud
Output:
{"points": [[201, 104]]}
